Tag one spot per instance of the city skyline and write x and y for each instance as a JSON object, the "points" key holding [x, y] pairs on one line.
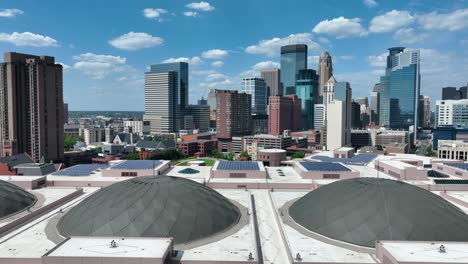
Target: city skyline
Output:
{"points": [[107, 60]]}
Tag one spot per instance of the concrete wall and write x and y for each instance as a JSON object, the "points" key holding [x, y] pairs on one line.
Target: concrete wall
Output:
{"points": [[452, 171], [118, 172], [402, 171], [324, 174]]}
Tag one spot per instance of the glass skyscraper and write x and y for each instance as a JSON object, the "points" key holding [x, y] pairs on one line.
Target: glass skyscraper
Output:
{"points": [[399, 98], [258, 89], [293, 59], [163, 91], [307, 90]]}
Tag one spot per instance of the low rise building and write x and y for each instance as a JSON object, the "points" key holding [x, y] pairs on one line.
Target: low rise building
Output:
{"points": [[401, 169], [453, 149], [271, 157], [324, 170], [199, 148]]}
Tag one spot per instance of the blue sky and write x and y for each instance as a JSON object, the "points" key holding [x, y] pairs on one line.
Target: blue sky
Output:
{"points": [[106, 46]]}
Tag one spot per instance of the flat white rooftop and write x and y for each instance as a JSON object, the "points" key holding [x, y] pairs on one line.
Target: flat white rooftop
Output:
{"points": [[426, 252], [126, 247]]}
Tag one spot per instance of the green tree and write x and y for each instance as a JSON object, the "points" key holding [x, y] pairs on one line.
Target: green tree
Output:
{"points": [[430, 152], [379, 147], [298, 155], [230, 156], [132, 156], [244, 156]]}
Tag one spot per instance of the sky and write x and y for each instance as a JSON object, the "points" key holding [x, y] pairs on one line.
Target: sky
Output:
{"points": [[106, 46]]}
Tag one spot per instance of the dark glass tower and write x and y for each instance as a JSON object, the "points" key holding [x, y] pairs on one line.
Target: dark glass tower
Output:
{"points": [[307, 90], [293, 59]]}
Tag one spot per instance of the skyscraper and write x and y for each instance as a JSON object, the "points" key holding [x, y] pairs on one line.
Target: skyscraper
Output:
{"points": [[272, 80], [293, 59], [319, 116], [31, 103], [452, 93], [257, 88], [179, 92], [284, 114], [199, 116], [399, 98], [325, 72], [306, 90], [65, 113], [375, 105]]}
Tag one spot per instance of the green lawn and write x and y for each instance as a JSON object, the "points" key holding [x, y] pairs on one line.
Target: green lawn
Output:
{"points": [[208, 162]]}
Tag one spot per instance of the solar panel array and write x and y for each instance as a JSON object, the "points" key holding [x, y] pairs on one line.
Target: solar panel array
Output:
{"points": [[450, 181], [80, 170], [137, 165], [238, 165], [357, 160], [324, 166], [462, 166]]}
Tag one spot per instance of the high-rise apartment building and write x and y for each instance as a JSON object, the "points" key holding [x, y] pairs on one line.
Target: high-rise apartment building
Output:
{"points": [[399, 97], [452, 112], [284, 114], [233, 114], [293, 59], [325, 72], [166, 96], [272, 80], [31, 103], [306, 90], [258, 90]]}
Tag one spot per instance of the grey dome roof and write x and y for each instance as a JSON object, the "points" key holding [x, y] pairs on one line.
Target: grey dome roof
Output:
{"points": [[162, 206], [363, 210], [14, 199]]}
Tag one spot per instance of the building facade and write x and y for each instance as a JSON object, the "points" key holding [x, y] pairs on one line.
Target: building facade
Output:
{"points": [[452, 112], [325, 72], [32, 108], [284, 114], [166, 96], [258, 90], [199, 115], [272, 80], [399, 99], [293, 59], [319, 116], [233, 116], [452, 93], [307, 90]]}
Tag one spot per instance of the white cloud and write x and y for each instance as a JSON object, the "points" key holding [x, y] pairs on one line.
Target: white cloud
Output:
{"points": [[202, 6], [345, 57], [215, 54], [324, 40], [272, 47], [224, 84], [217, 64], [341, 27], [190, 14], [409, 36], [10, 12], [136, 41], [454, 21], [379, 61], [390, 21], [194, 60], [370, 3], [99, 66], [64, 66], [154, 13], [215, 77], [28, 39], [255, 70]]}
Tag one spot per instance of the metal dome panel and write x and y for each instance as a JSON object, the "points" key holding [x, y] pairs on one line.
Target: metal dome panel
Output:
{"points": [[363, 210], [14, 199]]}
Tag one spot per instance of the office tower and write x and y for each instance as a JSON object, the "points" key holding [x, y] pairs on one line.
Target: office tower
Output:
{"points": [[325, 72], [452, 112], [272, 80], [362, 101], [212, 104], [200, 116], [400, 89], [293, 59], [166, 96], [257, 88], [375, 105], [284, 114], [31, 103], [259, 124], [356, 115], [452, 93], [65, 113], [306, 90], [328, 94], [343, 92], [336, 127], [424, 112], [319, 116], [233, 114], [202, 101], [160, 106]]}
